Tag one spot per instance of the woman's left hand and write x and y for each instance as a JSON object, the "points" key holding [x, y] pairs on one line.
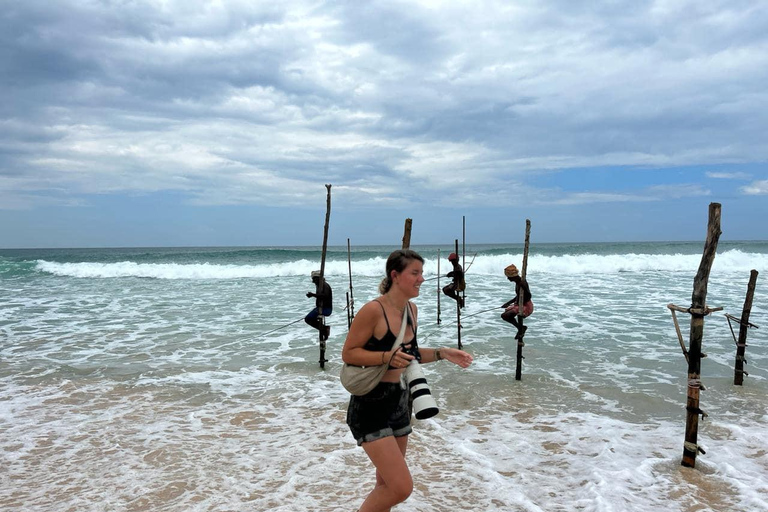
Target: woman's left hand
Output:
{"points": [[456, 356]]}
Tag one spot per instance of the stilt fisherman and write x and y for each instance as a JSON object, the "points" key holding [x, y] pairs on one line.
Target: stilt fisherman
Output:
{"points": [[457, 285], [512, 307], [324, 301]]}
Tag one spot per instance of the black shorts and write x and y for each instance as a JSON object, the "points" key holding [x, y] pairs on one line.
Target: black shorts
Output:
{"points": [[383, 412]]}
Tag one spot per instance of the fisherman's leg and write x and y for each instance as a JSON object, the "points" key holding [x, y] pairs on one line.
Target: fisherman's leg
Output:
{"points": [[510, 316], [450, 291], [312, 319], [527, 310], [326, 329]]}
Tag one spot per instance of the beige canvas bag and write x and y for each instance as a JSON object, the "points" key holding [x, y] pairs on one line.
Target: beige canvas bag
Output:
{"points": [[359, 380]]}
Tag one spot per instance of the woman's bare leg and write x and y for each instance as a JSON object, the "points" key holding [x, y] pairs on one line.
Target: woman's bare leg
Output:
{"points": [[393, 479]]}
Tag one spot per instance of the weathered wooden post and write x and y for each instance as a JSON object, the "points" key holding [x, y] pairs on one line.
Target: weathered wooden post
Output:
{"points": [[520, 303], [744, 325], [350, 297], [698, 311], [321, 281], [407, 234]]}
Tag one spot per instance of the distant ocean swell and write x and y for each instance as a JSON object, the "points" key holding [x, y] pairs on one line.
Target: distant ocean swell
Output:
{"points": [[731, 261]]}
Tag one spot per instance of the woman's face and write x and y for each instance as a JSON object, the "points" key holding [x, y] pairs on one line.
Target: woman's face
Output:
{"points": [[409, 280]]}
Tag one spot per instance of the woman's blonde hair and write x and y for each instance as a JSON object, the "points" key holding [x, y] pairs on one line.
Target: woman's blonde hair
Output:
{"points": [[397, 261]]}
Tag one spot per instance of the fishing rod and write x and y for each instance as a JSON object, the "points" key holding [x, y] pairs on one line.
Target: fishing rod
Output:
{"points": [[483, 311], [464, 316], [283, 327], [470, 263], [264, 334], [465, 271]]}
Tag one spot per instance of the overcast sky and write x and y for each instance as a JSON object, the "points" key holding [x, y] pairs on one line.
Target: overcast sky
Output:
{"points": [[177, 122]]}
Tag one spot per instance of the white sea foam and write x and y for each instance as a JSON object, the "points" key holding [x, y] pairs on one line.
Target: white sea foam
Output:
{"points": [[166, 394], [728, 262]]}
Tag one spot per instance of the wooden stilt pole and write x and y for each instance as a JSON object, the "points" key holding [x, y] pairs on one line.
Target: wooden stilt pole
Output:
{"points": [[698, 311], [464, 255], [407, 234], [439, 290], [520, 303], [527, 243], [744, 325], [321, 281], [350, 296], [349, 317], [458, 309]]}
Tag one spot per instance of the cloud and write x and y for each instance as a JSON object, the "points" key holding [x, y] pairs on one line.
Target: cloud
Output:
{"points": [[242, 102], [756, 188], [728, 175], [650, 194]]}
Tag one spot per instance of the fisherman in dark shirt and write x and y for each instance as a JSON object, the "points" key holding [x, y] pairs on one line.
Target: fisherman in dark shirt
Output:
{"points": [[452, 289], [512, 307], [324, 301]]}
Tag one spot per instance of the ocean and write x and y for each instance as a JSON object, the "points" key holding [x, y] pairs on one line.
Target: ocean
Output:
{"points": [[184, 379]]}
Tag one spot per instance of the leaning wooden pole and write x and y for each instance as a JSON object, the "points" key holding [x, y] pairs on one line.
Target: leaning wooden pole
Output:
{"points": [[351, 299], [407, 234], [520, 304], [744, 325], [321, 281], [698, 312]]}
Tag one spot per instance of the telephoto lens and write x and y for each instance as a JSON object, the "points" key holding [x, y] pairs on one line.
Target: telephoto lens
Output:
{"points": [[424, 406]]}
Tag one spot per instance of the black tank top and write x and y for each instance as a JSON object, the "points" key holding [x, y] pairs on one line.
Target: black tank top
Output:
{"points": [[385, 343]]}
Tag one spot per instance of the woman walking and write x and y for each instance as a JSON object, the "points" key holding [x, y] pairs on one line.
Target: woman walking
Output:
{"points": [[381, 419]]}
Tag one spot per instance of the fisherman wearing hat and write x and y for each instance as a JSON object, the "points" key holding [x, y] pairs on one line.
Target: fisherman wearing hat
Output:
{"points": [[458, 283], [324, 300], [512, 306]]}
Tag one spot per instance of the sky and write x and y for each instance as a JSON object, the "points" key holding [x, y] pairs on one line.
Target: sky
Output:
{"points": [[189, 123]]}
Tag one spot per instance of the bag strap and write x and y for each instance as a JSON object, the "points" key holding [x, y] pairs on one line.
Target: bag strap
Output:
{"points": [[404, 324], [401, 334]]}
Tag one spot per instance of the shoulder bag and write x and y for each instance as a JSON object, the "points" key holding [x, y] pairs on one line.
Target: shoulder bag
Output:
{"points": [[359, 380]]}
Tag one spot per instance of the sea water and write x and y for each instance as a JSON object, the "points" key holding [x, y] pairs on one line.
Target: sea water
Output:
{"points": [[184, 379]]}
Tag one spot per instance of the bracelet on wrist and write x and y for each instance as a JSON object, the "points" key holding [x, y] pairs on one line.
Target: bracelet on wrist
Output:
{"points": [[438, 355], [382, 357]]}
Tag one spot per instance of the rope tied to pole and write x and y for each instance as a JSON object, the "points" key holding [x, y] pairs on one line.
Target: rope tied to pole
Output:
{"points": [[693, 447], [696, 410]]}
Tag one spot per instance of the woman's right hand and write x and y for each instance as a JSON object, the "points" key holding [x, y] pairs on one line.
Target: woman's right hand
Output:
{"points": [[397, 358]]}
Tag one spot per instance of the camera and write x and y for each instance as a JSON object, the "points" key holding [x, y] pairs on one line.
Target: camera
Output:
{"points": [[424, 406]]}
